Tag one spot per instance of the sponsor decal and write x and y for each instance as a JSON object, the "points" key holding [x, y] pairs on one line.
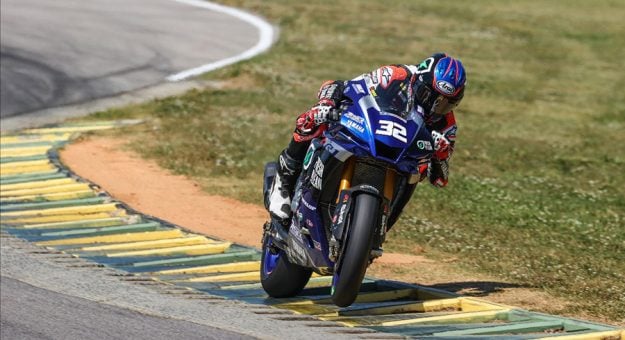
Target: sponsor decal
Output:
{"points": [[445, 87], [308, 205], [383, 229], [393, 129], [308, 157], [309, 223], [424, 145], [372, 91], [345, 198], [319, 167], [356, 126], [331, 148], [354, 117], [337, 151], [342, 213], [317, 175]]}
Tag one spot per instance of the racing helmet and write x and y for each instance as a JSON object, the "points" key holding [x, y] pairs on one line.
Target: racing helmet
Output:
{"points": [[439, 86]]}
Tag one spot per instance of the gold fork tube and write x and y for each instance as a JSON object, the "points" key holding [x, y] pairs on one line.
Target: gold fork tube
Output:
{"points": [[346, 177], [389, 184]]}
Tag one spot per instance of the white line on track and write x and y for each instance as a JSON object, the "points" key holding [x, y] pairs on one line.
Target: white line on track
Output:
{"points": [[264, 42]]}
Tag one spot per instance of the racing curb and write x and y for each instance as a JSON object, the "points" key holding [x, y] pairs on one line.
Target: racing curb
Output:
{"points": [[45, 203]]}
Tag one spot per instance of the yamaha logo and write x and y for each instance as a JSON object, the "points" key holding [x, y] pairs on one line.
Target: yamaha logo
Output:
{"points": [[445, 87]]}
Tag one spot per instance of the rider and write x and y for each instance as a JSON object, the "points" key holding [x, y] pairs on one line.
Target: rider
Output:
{"points": [[438, 83]]}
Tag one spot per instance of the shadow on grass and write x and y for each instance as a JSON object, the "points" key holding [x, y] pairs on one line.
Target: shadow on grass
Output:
{"points": [[477, 288]]}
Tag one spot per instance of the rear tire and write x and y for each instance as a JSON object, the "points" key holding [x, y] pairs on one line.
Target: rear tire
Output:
{"points": [[279, 277], [352, 264]]}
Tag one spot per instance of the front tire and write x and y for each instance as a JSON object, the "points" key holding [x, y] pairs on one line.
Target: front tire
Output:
{"points": [[351, 267], [279, 277]]}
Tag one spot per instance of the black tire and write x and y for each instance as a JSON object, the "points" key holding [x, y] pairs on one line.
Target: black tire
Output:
{"points": [[354, 259], [285, 279]]}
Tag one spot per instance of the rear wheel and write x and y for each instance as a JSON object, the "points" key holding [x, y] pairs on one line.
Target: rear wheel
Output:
{"points": [[279, 277], [352, 264]]}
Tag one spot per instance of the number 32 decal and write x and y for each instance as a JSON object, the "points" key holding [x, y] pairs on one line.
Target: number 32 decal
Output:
{"points": [[395, 130]]}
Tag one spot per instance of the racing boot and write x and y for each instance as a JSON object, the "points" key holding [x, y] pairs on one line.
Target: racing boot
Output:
{"points": [[283, 186]]}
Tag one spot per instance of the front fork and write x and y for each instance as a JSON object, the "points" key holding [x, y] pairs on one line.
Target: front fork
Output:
{"points": [[348, 173], [343, 207]]}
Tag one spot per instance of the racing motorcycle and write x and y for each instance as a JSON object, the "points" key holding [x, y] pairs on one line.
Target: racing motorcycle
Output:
{"points": [[355, 181]]}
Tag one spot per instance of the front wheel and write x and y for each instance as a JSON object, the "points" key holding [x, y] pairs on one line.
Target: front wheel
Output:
{"points": [[350, 269], [279, 277]]}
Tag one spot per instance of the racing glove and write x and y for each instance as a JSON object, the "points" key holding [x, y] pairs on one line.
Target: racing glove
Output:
{"points": [[438, 172], [319, 114], [330, 95], [442, 146], [331, 92]]}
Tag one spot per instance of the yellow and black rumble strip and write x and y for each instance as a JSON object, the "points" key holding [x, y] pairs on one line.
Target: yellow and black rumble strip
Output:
{"points": [[45, 203]]}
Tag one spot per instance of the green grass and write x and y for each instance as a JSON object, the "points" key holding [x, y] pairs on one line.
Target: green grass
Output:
{"points": [[537, 190]]}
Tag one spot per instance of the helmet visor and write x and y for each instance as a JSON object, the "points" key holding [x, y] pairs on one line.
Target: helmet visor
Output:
{"points": [[441, 104], [434, 103]]}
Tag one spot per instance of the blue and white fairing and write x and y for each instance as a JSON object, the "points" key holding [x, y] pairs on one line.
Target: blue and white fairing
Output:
{"points": [[366, 129], [370, 127]]}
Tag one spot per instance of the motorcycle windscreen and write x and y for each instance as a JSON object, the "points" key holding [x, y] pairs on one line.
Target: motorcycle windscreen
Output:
{"points": [[378, 124]]}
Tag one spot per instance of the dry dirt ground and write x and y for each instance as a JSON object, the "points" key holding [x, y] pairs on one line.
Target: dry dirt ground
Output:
{"points": [[146, 187]]}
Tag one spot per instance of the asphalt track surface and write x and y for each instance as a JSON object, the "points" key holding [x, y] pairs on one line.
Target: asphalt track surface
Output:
{"points": [[29, 312], [53, 295], [57, 53], [48, 295]]}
